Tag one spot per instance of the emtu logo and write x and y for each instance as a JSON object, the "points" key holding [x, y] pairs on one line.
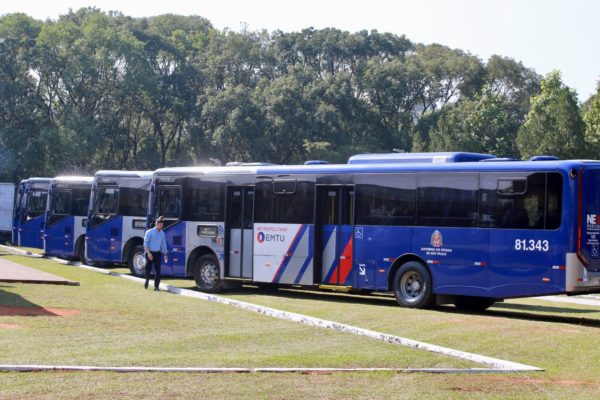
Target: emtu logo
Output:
{"points": [[260, 237], [593, 219]]}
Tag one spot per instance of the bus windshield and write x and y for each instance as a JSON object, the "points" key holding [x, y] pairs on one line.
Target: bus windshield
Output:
{"points": [[106, 200], [36, 203]]}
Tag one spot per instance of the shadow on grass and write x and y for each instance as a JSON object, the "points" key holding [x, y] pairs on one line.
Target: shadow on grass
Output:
{"points": [[12, 304], [538, 308], [531, 315], [502, 310]]}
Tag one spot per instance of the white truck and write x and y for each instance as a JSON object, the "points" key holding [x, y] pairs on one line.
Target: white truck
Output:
{"points": [[7, 198]]}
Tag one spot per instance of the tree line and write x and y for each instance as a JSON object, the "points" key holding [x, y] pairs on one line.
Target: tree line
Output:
{"points": [[95, 90]]}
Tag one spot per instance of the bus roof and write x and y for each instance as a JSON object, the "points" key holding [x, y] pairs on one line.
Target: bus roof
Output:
{"points": [[123, 174], [443, 157], [36, 180], [419, 166], [72, 179], [194, 171]]}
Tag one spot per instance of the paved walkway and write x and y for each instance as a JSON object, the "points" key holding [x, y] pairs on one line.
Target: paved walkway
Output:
{"points": [[13, 272]]}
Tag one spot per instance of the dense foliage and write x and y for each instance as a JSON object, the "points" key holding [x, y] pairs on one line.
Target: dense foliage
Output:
{"points": [[93, 91]]}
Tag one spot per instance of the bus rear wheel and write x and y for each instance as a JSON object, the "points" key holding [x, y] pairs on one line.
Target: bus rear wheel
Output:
{"points": [[137, 261], [412, 286], [471, 303], [206, 274]]}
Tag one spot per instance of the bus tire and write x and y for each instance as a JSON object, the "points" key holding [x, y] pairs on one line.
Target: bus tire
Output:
{"points": [[471, 303], [82, 258], [137, 261], [412, 286], [206, 274]]}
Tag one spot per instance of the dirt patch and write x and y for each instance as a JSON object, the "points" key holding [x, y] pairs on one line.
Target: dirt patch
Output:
{"points": [[561, 382], [514, 380], [9, 326], [12, 311]]}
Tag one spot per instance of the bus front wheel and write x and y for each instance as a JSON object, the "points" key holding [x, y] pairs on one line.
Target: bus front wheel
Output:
{"points": [[137, 261], [206, 274], [412, 286]]}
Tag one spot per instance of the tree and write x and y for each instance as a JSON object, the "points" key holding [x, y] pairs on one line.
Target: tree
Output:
{"points": [[553, 124], [591, 117], [86, 65], [480, 125], [448, 75], [233, 126], [21, 117], [513, 85], [172, 83]]}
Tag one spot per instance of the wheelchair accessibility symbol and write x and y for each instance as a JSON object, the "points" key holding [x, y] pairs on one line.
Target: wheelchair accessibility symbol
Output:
{"points": [[358, 233], [595, 251]]}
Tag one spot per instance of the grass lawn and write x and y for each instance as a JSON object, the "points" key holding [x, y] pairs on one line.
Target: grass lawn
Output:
{"points": [[108, 321]]}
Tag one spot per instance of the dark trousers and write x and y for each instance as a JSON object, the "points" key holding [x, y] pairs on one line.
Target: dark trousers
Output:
{"points": [[156, 262]]}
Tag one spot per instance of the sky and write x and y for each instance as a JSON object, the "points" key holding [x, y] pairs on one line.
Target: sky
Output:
{"points": [[543, 34]]}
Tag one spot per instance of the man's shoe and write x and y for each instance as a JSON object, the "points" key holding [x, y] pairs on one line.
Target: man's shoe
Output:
{"points": [[146, 285], [156, 289]]}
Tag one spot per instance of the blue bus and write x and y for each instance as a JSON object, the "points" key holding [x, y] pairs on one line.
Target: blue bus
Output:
{"points": [[28, 216], [441, 228], [117, 218], [65, 218]]}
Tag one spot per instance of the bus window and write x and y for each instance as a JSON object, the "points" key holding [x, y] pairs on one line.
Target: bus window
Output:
{"points": [[80, 200], [391, 200], [524, 201], [553, 200], [447, 200], [203, 200], [283, 207], [133, 201]]}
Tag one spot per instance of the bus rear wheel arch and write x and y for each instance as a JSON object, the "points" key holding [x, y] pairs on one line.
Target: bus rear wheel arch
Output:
{"points": [[412, 286], [206, 271]]}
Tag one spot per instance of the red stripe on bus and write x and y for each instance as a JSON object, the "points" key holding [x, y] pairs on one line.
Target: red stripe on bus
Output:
{"points": [[346, 262]]}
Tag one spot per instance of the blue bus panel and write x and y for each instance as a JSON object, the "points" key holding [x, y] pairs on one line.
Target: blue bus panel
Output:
{"points": [[29, 211], [66, 215]]}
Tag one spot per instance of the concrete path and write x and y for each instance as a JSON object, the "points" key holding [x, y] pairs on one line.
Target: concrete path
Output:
{"points": [[17, 273]]}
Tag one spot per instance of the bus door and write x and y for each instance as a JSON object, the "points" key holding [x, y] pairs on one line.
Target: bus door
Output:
{"points": [[103, 234], [58, 228], [32, 219], [239, 233], [335, 216], [17, 215]]}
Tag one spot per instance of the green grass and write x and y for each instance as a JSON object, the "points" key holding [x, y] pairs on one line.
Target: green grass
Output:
{"points": [[123, 325]]}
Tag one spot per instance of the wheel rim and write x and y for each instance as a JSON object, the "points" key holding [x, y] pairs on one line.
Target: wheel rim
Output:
{"points": [[209, 274], [139, 263], [412, 287]]}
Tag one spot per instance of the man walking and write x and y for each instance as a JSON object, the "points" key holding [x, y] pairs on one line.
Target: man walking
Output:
{"points": [[155, 244]]}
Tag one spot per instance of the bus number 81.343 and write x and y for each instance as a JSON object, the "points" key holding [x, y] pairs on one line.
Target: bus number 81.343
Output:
{"points": [[531, 245]]}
